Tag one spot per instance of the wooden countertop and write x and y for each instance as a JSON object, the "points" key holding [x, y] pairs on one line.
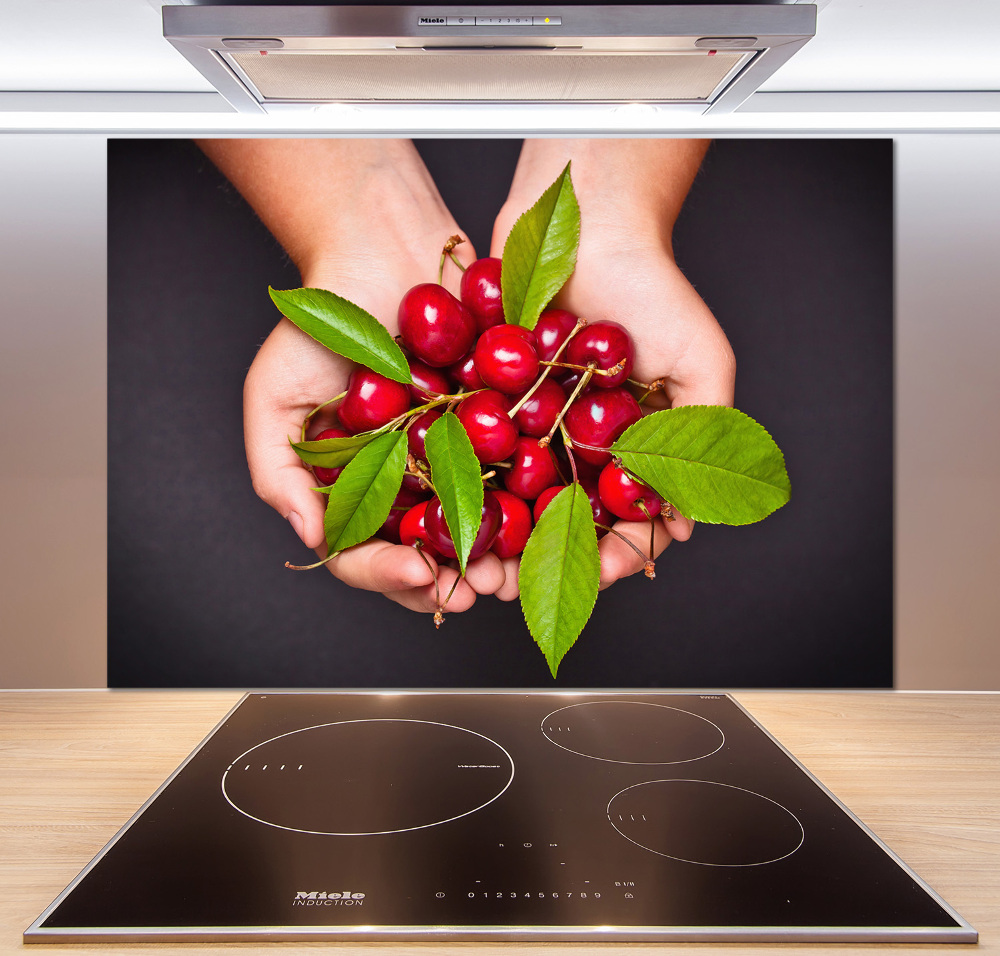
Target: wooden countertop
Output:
{"points": [[922, 770]]}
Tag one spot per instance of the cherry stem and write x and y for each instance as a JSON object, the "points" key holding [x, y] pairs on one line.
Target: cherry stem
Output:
{"points": [[439, 613], [559, 471], [568, 445], [652, 387], [411, 413], [580, 386], [305, 421], [487, 475], [418, 547], [309, 567], [627, 540], [581, 444], [641, 505], [614, 370], [412, 468], [447, 252], [580, 323]]}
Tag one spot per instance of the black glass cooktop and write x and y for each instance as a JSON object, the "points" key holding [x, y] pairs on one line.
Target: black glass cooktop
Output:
{"points": [[494, 815]]}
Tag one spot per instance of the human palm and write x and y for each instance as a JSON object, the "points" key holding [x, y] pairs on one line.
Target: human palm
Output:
{"points": [[633, 281], [291, 375]]}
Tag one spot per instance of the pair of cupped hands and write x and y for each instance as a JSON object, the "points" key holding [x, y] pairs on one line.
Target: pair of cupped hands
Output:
{"points": [[389, 238]]}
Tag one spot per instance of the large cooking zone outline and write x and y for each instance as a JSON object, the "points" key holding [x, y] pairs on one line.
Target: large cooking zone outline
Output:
{"points": [[365, 774]]}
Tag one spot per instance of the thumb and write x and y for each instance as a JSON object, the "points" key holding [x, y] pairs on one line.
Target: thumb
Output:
{"points": [[714, 386], [278, 476], [502, 226]]}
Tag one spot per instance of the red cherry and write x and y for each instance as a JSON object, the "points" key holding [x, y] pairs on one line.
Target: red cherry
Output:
{"points": [[601, 513], [552, 329], [480, 291], [405, 500], [515, 525], [606, 344], [542, 501], [415, 486], [492, 433], [435, 326], [464, 372], [538, 414], [509, 329], [621, 492], [533, 470], [440, 536], [597, 419], [569, 378], [506, 360], [416, 434], [428, 382], [327, 476], [372, 400], [586, 471], [412, 529]]}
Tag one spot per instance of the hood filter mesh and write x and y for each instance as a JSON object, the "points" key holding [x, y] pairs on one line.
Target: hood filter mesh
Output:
{"points": [[450, 76]]}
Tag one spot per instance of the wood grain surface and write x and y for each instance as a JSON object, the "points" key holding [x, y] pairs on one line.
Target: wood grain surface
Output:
{"points": [[921, 770]]}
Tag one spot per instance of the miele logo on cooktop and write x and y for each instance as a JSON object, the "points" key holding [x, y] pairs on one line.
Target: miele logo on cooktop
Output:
{"points": [[323, 898]]}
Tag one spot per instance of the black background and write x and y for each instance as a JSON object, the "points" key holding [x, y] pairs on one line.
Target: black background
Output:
{"points": [[788, 241]]}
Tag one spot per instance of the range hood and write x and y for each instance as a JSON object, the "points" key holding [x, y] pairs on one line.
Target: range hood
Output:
{"points": [[692, 57]]}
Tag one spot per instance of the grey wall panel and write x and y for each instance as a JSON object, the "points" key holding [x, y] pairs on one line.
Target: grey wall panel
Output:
{"points": [[53, 364], [948, 411]]}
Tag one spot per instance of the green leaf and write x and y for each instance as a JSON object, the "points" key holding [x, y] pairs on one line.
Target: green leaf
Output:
{"points": [[457, 480], [333, 452], [361, 498], [344, 328], [715, 464], [560, 572], [540, 253]]}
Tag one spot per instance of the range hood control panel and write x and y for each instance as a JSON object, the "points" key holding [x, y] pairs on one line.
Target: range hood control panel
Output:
{"points": [[474, 21]]}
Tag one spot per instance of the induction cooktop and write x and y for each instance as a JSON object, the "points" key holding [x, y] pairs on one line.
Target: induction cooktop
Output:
{"points": [[505, 816]]}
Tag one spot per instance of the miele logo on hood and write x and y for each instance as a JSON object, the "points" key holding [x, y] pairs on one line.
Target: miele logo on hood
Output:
{"points": [[323, 898]]}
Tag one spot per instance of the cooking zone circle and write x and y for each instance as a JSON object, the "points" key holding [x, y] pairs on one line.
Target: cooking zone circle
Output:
{"points": [[365, 777], [699, 821], [633, 732]]}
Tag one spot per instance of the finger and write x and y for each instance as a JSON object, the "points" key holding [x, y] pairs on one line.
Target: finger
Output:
{"points": [[459, 599], [485, 574], [509, 590], [618, 560], [680, 528], [709, 374], [425, 599], [378, 565], [288, 371], [501, 230], [280, 478]]}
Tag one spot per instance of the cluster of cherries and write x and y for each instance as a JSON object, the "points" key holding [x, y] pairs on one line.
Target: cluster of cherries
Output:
{"points": [[512, 389]]}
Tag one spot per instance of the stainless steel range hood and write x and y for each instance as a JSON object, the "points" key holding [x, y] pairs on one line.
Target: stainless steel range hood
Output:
{"points": [[693, 57]]}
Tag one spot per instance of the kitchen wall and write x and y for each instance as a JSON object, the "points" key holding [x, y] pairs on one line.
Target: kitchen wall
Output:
{"points": [[53, 429]]}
